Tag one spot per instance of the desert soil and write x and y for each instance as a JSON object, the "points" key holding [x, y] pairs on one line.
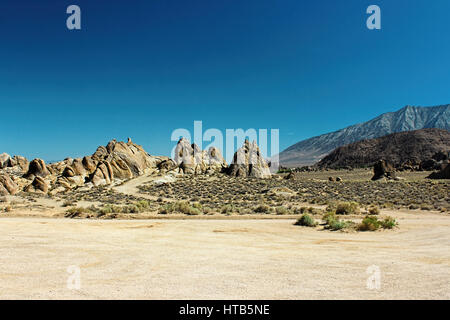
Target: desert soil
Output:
{"points": [[222, 259]]}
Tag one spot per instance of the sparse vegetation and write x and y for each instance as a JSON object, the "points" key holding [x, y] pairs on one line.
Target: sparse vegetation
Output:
{"points": [[333, 222], [369, 223], [181, 207], [389, 223], [347, 208], [306, 220], [355, 191], [262, 209], [281, 210]]}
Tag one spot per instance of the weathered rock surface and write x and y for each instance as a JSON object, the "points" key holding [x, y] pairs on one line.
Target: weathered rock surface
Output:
{"points": [[38, 185], [127, 160], [248, 162], [103, 174], [21, 162], [190, 159], [37, 168], [5, 160], [116, 160], [7, 185], [167, 165]]}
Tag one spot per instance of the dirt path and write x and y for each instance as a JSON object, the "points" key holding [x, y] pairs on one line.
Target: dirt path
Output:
{"points": [[222, 259], [131, 187]]}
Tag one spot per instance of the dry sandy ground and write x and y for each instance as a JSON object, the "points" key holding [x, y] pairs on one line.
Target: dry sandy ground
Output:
{"points": [[222, 259]]}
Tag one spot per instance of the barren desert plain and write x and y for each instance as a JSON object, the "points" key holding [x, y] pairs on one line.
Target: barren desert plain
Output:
{"points": [[233, 242]]}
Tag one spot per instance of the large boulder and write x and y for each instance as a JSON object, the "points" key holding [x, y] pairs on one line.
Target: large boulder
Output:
{"points": [[383, 169], [443, 174], [37, 168], [103, 174], [7, 185], [127, 160], [5, 160], [38, 185], [248, 162], [188, 157], [20, 162], [214, 160], [167, 165]]}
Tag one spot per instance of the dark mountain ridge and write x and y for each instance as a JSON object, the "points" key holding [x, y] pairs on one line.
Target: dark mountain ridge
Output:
{"points": [[409, 118], [411, 147]]}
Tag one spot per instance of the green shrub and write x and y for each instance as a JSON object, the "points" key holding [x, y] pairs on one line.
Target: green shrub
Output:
{"points": [[347, 208], [306, 220], [389, 223], [335, 225], [329, 216], [369, 223]]}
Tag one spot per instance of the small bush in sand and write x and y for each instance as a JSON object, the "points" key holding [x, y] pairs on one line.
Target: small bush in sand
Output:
{"points": [[329, 216], [369, 224], [374, 210], [336, 225], [389, 223], [306, 220], [347, 208]]}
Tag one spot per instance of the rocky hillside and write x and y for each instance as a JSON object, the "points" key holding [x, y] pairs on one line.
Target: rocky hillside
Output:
{"points": [[413, 148], [118, 162], [409, 118]]}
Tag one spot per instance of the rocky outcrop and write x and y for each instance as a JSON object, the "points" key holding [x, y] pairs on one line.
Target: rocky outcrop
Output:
{"points": [[38, 185], [248, 162], [127, 160], [5, 160], [20, 162], [37, 168], [167, 165], [383, 169], [442, 174], [103, 174], [214, 160], [7, 185], [116, 160], [190, 159]]}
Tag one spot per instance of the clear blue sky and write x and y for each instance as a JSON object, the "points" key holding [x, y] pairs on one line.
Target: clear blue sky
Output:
{"points": [[144, 68]]}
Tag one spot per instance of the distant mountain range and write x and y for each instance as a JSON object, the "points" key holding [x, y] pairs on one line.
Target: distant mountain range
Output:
{"points": [[409, 118], [411, 147]]}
